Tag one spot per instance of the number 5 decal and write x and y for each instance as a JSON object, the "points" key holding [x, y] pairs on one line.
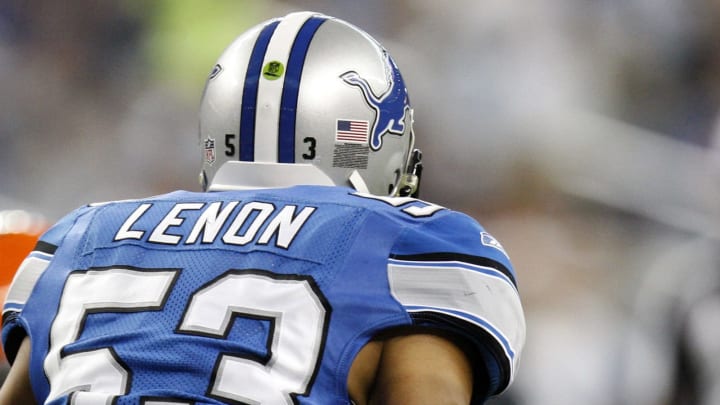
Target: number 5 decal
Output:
{"points": [[294, 305]]}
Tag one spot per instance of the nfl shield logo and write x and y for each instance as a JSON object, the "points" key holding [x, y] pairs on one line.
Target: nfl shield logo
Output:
{"points": [[209, 150]]}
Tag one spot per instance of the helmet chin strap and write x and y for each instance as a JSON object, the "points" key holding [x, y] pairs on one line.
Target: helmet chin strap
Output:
{"points": [[357, 182], [409, 184]]}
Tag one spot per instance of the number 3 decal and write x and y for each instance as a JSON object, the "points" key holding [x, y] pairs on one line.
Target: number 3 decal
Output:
{"points": [[310, 154], [293, 304]]}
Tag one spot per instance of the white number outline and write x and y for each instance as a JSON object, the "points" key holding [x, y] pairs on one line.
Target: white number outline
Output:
{"points": [[258, 372], [85, 293], [73, 311], [425, 209]]}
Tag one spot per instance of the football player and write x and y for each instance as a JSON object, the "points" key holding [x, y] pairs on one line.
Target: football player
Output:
{"points": [[307, 273]]}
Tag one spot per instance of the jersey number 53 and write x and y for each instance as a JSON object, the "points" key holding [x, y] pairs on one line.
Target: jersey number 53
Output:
{"points": [[299, 321]]}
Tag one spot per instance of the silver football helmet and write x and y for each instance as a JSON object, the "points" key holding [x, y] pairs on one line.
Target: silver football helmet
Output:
{"points": [[307, 99]]}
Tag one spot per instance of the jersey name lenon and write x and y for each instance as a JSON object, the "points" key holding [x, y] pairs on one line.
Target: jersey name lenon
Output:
{"points": [[250, 222]]}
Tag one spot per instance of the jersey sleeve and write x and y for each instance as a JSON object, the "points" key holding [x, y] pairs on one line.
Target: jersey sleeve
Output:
{"points": [[449, 273], [14, 327]]}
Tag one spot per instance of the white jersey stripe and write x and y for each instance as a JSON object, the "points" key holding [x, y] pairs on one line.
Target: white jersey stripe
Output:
{"points": [[270, 91], [454, 263], [463, 292]]}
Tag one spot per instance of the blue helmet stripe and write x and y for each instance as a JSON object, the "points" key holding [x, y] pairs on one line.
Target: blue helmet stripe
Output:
{"points": [[250, 93], [291, 87]]}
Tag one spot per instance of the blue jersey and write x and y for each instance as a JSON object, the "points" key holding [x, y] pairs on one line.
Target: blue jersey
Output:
{"points": [[261, 296]]}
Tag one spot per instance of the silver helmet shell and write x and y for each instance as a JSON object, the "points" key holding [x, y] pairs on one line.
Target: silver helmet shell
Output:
{"points": [[307, 99]]}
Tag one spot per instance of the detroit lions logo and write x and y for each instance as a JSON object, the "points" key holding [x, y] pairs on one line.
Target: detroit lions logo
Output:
{"points": [[392, 107]]}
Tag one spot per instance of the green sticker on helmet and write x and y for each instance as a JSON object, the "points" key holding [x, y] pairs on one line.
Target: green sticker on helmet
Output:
{"points": [[273, 70]]}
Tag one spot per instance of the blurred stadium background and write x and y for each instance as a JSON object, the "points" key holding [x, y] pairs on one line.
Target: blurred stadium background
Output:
{"points": [[580, 133]]}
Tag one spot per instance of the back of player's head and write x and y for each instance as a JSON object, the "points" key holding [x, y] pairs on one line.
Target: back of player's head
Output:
{"points": [[307, 99]]}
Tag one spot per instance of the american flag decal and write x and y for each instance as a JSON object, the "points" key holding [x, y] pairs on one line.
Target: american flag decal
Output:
{"points": [[353, 131]]}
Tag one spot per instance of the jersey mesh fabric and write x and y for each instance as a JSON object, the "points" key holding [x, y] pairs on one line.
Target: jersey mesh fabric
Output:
{"points": [[339, 255]]}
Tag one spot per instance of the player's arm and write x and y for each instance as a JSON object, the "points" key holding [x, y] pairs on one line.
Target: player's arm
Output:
{"points": [[411, 367], [422, 368], [450, 274], [16, 389]]}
